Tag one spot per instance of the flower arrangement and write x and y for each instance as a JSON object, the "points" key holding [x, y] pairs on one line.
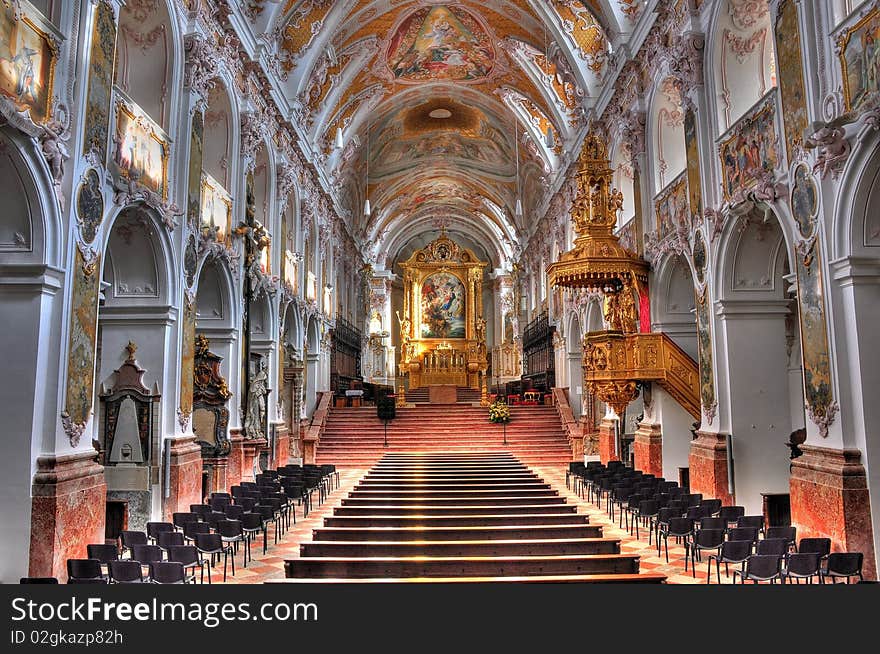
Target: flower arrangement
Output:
{"points": [[499, 411]]}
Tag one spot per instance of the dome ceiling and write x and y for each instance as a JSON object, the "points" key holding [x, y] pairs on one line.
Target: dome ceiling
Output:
{"points": [[434, 101]]}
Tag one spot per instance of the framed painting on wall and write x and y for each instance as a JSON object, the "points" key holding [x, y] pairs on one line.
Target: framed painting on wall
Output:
{"points": [[216, 208], [141, 151], [860, 60], [27, 64], [751, 151]]}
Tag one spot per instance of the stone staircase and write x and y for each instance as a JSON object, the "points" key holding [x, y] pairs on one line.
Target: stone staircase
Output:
{"points": [[453, 517], [354, 437], [465, 395]]}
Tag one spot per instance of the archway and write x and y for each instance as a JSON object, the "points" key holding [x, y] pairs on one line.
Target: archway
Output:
{"points": [[30, 305], [134, 309], [313, 353], [758, 334], [575, 350]]}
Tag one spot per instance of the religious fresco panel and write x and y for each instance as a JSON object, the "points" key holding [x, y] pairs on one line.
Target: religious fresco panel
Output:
{"points": [[196, 156], [804, 200], [83, 335], [100, 85], [700, 256], [141, 151], [187, 356], [704, 343], [672, 207], [751, 152], [692, 150], [443, 299], [791, 76], [27, 63], [90, 205], [860, 61]]}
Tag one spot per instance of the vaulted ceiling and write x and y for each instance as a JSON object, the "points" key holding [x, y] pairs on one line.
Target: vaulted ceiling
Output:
{"points": [[446, 112]]}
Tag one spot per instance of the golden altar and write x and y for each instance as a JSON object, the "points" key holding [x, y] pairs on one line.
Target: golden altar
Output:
{"points": [[442, 330]]}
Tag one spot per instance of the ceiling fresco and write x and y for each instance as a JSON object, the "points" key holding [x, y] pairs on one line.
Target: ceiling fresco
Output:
{"points": [[423, 105]]}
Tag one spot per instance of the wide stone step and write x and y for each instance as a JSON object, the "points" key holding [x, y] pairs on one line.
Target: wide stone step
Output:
{"points": [[641, 578], [463, 548], [421, 532], [450, 485], [360, 509], [478, 520], [452, 494], [452, 501], [465, 566]]}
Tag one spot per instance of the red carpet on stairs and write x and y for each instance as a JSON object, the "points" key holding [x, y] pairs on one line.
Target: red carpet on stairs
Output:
{"points": [[354, 437]]}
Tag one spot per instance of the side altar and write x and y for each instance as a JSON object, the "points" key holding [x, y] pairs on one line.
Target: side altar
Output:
{"points": [[442, 330]]}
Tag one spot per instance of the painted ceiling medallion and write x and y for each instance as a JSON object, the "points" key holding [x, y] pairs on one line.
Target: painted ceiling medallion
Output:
{"points": [[440, 113], [440, 43]]}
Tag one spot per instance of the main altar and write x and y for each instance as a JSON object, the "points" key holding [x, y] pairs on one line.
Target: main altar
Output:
{"points": [[442, 330]]}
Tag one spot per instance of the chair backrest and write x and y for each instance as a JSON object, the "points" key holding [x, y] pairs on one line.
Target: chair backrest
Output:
{"points": [[756, 521], [170, 539], [200, 510], [774, 546], [126, 571], [265, 511], [803, 563], [713, 506], [788, 533], [822, 546], [146, 553], [252, 521], [693, 499], [762, 567], [130, 538], [648, 507], [167, 572], [181, 518], [246, 503], [743, 533], [184, 554], [220, 494], [153, 528], [84, 569], [664, 514], [731, 513], [229, 528], [633, 500], [697, 512], [38, 580], [190, 529], [736, 550], [234, 512], [104, 553], [713, 523], [845, 563], [708, 538], [220, 503], [209, 542], [680, 526]]}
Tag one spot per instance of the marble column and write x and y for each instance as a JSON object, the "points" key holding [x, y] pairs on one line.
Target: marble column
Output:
{"points": [[236, 454], [68, 509], [607, 438], [218, 469], [648, 449], [708, 466], [185, 477], [829, 498]]}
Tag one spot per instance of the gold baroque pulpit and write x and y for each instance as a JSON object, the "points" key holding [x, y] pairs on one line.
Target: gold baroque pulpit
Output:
{"points": [[442, 330]]}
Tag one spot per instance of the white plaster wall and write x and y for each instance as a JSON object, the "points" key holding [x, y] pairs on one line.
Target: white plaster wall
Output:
{"points": [[676, 424]]}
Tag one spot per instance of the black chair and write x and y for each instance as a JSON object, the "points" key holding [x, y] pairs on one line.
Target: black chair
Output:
{"points": [[169, 539], [231, 534], [190, 557], [713, 506], [220, 503], [713, 523], [146, 554], [233, 512], [190, 529], [153, 529], [703, 540], [126, 571], [201, 510], [756, 521], [772, 546], [731, 513], [788, 533], [181, 518], [252, 524], [103, 553], [167, 572], [743, 533], [38, 580], [647, 510], [801, 565], [692, 499], [760, 567], [842, 565], [131, 538], [732, 551], [821, 546], [86, 571], [661, 521], [681, 528], [213, 545]]}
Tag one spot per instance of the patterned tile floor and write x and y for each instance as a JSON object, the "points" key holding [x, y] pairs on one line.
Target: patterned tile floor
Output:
{"points": [[271, 565]]}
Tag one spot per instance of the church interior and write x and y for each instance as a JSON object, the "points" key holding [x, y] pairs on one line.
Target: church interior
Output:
{"points": [[440, 290]]}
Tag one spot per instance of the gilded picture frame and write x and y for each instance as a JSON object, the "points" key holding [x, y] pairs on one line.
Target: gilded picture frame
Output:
{"points": [[215, 213], [854, 96], [28, 58], [138, 144]]}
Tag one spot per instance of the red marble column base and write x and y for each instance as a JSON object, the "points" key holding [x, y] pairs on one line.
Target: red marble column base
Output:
{"points": [[185, 479], [829, 498], [236, 452], [281, 455], [68, 511], [310, 448], [607, 449], [648, 449], [250, 452], [708, 467], [218, 469]]}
